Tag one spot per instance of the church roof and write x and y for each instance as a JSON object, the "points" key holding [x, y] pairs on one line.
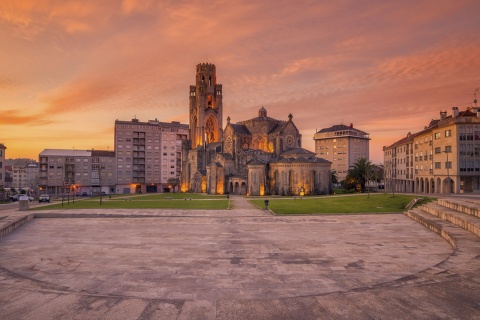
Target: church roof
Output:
{"points": [[226, 156], [299, 151], [240, 129], [255, 162], [300, 160], [278, 127], [260, 118]]}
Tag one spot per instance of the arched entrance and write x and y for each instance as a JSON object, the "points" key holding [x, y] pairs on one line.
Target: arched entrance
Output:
{"points": [[448, 185], [237, 188], [243, 189]]}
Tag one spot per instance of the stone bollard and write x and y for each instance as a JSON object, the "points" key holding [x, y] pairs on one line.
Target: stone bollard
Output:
{"points": [[23, 203]]}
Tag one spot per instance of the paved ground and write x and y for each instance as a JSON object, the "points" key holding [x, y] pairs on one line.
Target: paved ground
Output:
{"points": [[235, 264]]}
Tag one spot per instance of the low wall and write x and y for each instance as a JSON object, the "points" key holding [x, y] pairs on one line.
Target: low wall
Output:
{"points": [[11, 223]]}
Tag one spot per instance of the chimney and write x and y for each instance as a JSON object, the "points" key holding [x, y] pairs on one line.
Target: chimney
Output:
{"points": [[455, 111], [443, 115], [351, 125]]}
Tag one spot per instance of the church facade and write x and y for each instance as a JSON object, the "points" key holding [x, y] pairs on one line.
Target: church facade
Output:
{"points": [[259, 156]]}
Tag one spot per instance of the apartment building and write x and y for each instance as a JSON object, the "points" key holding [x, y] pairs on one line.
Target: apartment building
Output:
{"points": [[83, 172], [2, 165], [342, 145], [24, 176], [442, 158], [147, 155], [31, 175]]}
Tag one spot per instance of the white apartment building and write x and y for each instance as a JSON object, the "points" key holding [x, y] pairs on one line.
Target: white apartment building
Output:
{"points": [[2, 165], [442, 158], [25, 176], [341, 145], [147, 154], [83, 172]]}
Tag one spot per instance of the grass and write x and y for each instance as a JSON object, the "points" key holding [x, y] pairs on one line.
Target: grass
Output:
{"points": [[162, 196], [153, 201], [376, 203]]}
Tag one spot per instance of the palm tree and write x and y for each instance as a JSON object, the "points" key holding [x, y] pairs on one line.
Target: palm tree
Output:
{"points": [[361, 171]]}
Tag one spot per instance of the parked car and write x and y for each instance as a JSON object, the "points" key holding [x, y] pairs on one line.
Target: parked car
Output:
{"points": [[15, 197], [25, 197], [44, 198]]}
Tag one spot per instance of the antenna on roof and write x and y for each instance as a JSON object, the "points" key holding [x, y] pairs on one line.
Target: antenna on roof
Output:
{"points": [[475, 96]]}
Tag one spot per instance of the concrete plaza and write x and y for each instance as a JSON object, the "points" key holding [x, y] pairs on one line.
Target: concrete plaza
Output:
{"points": [[242, 263]]}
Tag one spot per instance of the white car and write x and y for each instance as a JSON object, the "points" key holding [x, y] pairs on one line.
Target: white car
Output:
{"points": [[25, 197]]}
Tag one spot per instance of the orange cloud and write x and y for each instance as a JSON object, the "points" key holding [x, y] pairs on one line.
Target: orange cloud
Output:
{"points": [[81, 94], [434, 62], [16, 118], [133, 6]]}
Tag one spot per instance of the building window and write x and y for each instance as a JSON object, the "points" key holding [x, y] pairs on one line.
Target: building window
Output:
{"points": [[448, 149], [437, 135], [448, 165], [438, 150], [438, 165], [448, 133]]}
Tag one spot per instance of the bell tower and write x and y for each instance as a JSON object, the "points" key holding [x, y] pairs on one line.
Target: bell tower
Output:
{"points": [[205, 107]]}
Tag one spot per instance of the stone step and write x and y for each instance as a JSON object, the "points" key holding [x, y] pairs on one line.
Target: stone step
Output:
{"points": [[465, 244], [465, 221], [434, 224], [10, 223], [468, 207]]}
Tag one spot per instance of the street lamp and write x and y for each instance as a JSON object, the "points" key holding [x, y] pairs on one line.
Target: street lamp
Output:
{"points": [[447, 165]]}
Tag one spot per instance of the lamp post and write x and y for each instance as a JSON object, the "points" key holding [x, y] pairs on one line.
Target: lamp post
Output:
{"points": [[447, 165]]}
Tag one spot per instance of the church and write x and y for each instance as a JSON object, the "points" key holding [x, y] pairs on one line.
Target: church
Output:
{"points": [[259, 156]]}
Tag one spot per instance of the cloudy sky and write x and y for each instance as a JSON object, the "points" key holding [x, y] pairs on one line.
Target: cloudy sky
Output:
{"points": [[69, 69]]}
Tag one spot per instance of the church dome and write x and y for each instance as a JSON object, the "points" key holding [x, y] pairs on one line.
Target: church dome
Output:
{"points": [[262, 112]]}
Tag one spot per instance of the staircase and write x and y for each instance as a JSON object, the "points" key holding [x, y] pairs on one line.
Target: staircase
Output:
{"points": [[443, 215]]}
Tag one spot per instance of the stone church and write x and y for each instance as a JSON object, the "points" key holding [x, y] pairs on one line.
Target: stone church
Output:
{"points": [[259, 156]]}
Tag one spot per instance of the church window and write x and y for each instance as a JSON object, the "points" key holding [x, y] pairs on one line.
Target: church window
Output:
{"points": [[210, 130]]}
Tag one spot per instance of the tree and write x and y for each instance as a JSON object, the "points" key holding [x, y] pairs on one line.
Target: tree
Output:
{"points": [[334, 177], [361, 171], [173, 182], [377, 172]]}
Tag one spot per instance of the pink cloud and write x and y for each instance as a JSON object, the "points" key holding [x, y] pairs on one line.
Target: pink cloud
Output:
{"points": [[20, 118]]}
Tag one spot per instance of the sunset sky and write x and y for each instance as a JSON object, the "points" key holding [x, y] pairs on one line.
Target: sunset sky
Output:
{"points": [[69, 69]]}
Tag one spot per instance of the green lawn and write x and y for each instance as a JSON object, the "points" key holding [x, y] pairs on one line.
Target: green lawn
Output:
{"points": [[156, 201], [162, 196], [376, 203]]}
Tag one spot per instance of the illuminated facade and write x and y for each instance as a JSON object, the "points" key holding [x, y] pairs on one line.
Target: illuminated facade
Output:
{"points": [[2, 165], [258, 156], [147, 155], [442, 158], [341, 145], [88, 172]]}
